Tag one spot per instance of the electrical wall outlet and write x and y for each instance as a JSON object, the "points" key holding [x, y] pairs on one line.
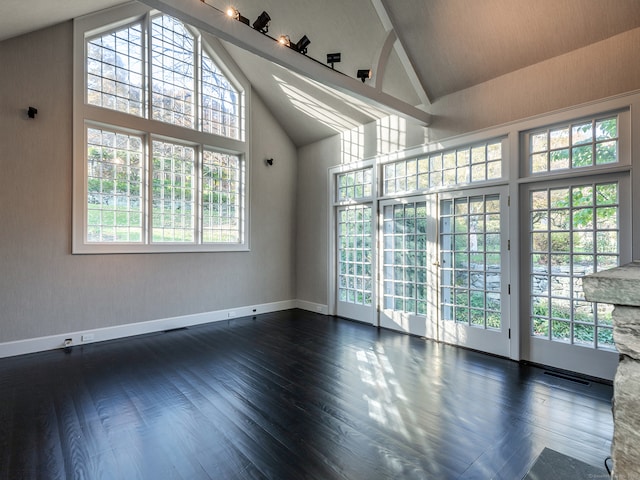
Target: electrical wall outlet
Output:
{"points": [[87, 337]]}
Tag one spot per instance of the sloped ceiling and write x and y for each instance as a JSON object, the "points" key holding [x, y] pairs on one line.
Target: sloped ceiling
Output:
{"points": [[442, 46]]}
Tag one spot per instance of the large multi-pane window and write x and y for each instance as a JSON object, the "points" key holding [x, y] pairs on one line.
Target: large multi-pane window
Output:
{"points": [[574, 231], [161, 166]]}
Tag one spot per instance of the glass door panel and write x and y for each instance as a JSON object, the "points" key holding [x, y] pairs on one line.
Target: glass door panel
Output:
{"points": [[474, 270], [573, 229], [355, 288], [407, 233]]}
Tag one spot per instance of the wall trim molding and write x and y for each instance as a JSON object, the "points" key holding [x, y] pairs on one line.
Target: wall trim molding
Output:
{"points": [[312, 307], [84, 337]]}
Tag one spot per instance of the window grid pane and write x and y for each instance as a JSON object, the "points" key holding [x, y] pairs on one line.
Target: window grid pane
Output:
{"points": [[574, 231], [221, 193], [115, 71], [356, 185], [220, 102], [405, 258], [355, 283], [173, 195], [470, 273], [578, 145], [114, 187], [172, 72], [462, 166]]}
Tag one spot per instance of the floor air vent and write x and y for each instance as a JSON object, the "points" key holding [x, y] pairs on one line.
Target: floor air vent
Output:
{"points": [[567, 377]]}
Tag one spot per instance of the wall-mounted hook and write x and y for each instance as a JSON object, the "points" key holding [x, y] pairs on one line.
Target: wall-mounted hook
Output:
{"points": [[269, 161], [32, 112]]}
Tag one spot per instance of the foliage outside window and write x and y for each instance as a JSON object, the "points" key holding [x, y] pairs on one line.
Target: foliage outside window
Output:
{"points": [[461, 166], [164, 141], [355, 185], [578, 145], [574, 232]]}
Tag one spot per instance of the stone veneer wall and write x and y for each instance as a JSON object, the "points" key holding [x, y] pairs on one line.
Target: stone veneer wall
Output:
{"points": [[621, 287]]}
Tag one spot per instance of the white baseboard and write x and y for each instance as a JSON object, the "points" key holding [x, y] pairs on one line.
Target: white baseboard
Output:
{"points": [[40, 344], [312, 307]]}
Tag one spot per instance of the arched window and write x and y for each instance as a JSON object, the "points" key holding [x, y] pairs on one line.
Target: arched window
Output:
{"points": [[160, 148]]}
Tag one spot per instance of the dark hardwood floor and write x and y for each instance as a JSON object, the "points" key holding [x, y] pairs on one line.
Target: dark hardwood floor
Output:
{"points": [[288, 395]]}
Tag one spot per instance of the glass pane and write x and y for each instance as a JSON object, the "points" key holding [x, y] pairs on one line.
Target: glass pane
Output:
{"points": [[172, 72], [606, 129], [582, 133], [578, 146], [582, 238], [539, 162], [538, 142], [173, 201], [582, 156], [354, 264], [407, 255], [115, 71], [221, 198], [559, 138], [114, 187], [476, 273], [220, 102], [606, 152], [559, 159]]}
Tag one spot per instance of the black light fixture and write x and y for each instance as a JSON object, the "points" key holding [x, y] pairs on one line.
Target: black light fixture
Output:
{"points": [[268, 161], [235, 14], [262, 23], [284, 40], [302, 45], [364, 74], [333, 58], [31, 113]]}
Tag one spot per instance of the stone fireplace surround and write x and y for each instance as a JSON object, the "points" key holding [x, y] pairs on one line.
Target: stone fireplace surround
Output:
{"points": [[621, 287]]}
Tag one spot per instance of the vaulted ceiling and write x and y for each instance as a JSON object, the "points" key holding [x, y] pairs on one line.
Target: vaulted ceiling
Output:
{"points": [[419, 50]]}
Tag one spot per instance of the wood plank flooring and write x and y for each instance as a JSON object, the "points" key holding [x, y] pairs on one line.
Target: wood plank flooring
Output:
{"points": [[288, 395]]}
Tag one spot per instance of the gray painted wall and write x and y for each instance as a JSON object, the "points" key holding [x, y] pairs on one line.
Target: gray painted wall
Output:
{"points": [[44, 290], [602, 70]]}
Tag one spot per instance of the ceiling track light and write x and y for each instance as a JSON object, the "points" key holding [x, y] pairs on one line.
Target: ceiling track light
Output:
{"points": [[284, 40], [302, 45], [364, 74], [262, 22], [235, 14], [333, 58]]}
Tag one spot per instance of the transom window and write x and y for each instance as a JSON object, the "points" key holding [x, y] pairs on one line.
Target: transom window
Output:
{"points": [[576, 145], [160, 153], [355, 185], [461, 166]]}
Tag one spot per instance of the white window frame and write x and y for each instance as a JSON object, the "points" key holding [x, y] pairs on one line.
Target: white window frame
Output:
{"points": [[85, 116]]}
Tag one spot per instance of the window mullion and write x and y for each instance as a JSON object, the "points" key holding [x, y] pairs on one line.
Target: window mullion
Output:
{"points": [[148, 204], [197, 186], [148, 83]]}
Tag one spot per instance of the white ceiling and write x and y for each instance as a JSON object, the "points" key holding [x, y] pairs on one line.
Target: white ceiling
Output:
{"points": [[443, 46]]}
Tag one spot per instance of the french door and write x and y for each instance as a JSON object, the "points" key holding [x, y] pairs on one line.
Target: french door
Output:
{"points": [[355, 262], [474, 269], [573, 228], [407, 257], [444, 268]]}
